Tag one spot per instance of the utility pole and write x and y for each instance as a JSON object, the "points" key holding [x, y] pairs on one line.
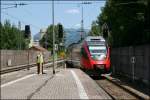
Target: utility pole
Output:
{"points": [[53, 37], [82, 22], [82, 29], [19, 27]]}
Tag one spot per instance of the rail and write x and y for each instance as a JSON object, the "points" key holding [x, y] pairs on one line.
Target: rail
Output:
{"points": [[132, 91], [28, 66]]}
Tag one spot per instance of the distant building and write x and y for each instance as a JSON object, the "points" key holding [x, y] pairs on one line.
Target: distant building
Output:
{"points": [[36, 43], [38, 48], [42, 32]]}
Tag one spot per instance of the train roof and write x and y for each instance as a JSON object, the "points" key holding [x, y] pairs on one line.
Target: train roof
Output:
{"points": [[95, 40]]}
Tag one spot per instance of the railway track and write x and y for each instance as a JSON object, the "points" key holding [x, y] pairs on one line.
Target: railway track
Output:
{"points": [[114, 91], [27, 66], [117, 91]]}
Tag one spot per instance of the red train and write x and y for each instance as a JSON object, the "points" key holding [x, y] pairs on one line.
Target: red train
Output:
{"points": [[95, 55]]}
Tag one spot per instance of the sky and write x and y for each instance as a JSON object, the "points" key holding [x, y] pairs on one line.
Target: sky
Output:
{"points": [[38, 14]]}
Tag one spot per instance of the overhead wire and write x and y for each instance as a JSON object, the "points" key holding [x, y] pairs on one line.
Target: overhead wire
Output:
{"points": [[38, 3], [9, 7], [8, 3], [68, 2], [15, 5], [34, 26], [28, 12]]}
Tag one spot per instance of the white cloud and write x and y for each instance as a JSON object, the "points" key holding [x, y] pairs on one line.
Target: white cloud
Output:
{"points": [[77, 25], [73, 11]]}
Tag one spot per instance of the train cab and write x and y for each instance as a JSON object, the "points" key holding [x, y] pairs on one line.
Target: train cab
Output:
{"points": [[95, 55]]}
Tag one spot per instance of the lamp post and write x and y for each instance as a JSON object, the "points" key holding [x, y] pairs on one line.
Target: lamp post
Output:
{"points": [[53, 37]]}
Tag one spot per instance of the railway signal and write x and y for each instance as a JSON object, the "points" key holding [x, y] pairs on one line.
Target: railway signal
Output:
{"points": [[27, 31], [60, 31]]}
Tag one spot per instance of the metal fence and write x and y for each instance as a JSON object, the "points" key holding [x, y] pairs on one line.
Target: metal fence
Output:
{"points": [[10, 58], [133, 62]]}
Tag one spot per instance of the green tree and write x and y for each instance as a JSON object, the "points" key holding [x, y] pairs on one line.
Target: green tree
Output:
{"points": [[95, 29], [127, 21], [47, 39], [11, 37]]}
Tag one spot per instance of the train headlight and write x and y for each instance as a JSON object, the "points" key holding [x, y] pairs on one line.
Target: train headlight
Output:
{"points": [[103, 57]]}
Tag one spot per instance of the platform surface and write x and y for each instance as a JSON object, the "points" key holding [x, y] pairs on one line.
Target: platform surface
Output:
{"points": [[65, 84]]}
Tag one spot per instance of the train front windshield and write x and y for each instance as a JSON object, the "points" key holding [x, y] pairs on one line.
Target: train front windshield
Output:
{"points": [[98, 52]]}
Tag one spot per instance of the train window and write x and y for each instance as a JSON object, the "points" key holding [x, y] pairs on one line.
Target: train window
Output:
{"points": [[97, 50], [96, 42]]}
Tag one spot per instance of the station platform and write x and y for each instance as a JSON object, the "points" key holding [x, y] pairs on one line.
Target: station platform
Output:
{"points": [[67, 83]]}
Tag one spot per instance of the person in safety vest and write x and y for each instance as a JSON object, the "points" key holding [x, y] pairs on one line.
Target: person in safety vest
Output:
{"points": [[41, 62], [38, 63]]}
